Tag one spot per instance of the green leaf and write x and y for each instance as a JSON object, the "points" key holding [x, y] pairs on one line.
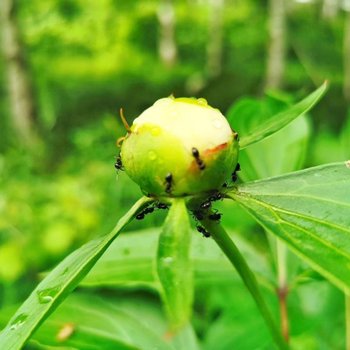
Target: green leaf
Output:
{"points": [[57, 285], [253, 125], [282, 152], [129, 262], [239, 324], [108, 323], [310, 211], [174, 265]]}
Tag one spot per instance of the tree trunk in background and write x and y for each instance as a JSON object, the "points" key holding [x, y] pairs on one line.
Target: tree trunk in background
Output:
{"points": [[22, 111], [214, 48], [347, 56], [277, 45], [167, 44], [330, 9]]}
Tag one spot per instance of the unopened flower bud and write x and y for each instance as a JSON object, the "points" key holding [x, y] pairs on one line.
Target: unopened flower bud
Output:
{"points": [[179, 147]]}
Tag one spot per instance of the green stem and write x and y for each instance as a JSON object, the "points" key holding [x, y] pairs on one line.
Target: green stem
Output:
{"points": [[237, 260], [347, 320], [282, 289]]}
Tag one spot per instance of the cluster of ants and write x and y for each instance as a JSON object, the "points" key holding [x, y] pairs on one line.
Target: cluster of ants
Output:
{"points": [[202, 212]]}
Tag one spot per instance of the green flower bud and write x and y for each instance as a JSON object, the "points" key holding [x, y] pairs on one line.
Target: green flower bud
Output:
{"points": [[179, 147]]}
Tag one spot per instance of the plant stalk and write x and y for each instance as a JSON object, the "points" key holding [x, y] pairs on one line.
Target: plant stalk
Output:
{"points": [[233, 254], [282, 288]]}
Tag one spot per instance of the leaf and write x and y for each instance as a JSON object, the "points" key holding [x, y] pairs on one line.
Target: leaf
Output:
{"points": [[129, 262], [310, 211], [58, 284], [253, 125], [238, 325], [108, 323], [174, 265], [282, 152]]}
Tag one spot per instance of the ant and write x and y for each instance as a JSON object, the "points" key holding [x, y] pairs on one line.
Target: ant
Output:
{"points": [[215, 197], [196, 156], [160, 205], [215, 216], [203, 231], [168, 182], [148, 210], [118, 163], [205, 205], [198, 214], [234, 174]]}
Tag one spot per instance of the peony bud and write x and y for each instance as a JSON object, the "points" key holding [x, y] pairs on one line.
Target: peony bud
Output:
{"points": [[179, 147]]}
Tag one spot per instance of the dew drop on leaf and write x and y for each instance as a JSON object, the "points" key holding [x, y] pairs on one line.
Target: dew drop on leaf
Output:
{"points": [[18, 322], [46, 295]]}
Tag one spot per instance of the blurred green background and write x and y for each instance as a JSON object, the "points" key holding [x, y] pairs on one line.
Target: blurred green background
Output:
{"points": [[67, 66]]}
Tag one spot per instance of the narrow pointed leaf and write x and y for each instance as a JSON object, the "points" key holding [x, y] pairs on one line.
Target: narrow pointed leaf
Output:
{"points": [[57, 285], [281, 153], [310, 211], [174, 265], [253, 127]]}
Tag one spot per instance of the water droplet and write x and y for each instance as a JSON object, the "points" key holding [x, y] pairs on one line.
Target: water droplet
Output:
{"points": [[18, 322], [46, 295], [65, 271], [168, 260], [155, 131], [217, 124], [152, 155], [202, 101]]}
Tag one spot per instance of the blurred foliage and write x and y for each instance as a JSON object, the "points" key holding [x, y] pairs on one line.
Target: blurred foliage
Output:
{"points": [[87, 59]]}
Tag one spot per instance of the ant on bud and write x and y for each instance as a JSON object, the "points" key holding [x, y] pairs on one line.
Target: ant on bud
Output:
{"points": [[234, 174], [118, 163], [199, 161], [168, 182]]}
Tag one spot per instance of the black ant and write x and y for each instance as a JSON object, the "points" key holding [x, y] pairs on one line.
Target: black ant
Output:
{"points": [[160, 205], [215, 197], [203, 231], [140, 216], [196, 156], [205, 205], [118, 163], [234, 174], [198, 214], [148, 210], [168, 182], [215, 216]]}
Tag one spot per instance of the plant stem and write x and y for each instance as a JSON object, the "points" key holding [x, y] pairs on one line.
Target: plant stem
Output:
{"points": [[233, 254], [347, 320], [282, 288]]}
